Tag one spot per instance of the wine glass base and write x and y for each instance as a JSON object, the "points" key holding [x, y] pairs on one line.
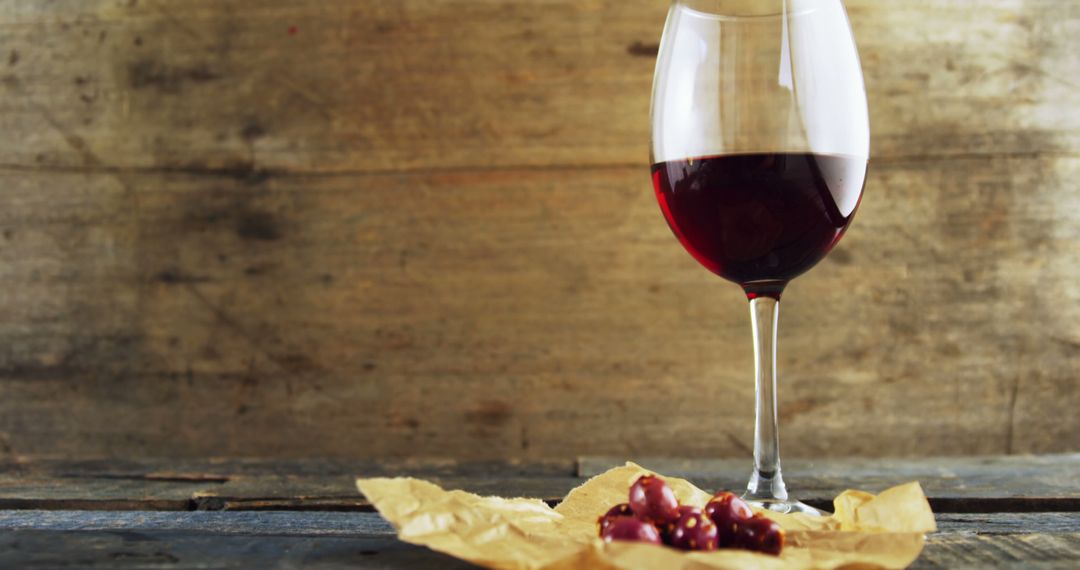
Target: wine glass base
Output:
{"points": [[785, 507]]}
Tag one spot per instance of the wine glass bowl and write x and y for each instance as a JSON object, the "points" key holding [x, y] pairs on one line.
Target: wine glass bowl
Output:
{"points": [[759, 219], [760, 145]]}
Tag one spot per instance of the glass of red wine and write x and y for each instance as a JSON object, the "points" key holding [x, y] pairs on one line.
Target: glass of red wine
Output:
{"points": [[760, 146]]}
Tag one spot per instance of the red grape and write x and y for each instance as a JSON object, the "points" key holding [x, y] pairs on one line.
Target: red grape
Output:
{"points": [[631, 529], [654, 516], [760, 534], [652, 500], [688, 510], [668, 528], [694, 531], [727, 511], [620, 510]]}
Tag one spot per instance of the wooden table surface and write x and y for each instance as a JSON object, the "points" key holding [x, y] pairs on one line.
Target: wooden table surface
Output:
{"points": [[1003, 512]]}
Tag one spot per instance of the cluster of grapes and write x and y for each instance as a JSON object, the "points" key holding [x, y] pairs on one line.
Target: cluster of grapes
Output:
{"points": [[653, 515]]}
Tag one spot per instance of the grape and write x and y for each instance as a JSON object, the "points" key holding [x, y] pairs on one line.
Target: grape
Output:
{"points": [[668, 528], [631, 529], [620, 510], [651, 499], [727, 511], [760, 534], [694, 531]]}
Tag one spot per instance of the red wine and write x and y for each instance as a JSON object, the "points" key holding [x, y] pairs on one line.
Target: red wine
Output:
{"points": [[760, 220]]}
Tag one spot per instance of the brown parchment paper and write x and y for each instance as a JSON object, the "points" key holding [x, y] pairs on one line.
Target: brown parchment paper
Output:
{"points": [[867, 531]]}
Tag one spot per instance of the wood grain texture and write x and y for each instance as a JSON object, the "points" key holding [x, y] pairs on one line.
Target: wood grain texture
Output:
{"points": [[148, 549], [137, 550], [364, 540], [973, 485], [954, 484], [356, 228], [371, 525], [223, 539]]}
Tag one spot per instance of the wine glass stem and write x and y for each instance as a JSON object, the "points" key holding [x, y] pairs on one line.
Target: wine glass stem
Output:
{"points": [[766, 484]]}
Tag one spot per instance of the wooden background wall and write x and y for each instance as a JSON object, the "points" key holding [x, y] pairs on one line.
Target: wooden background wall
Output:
{"points": [[425, 227]]}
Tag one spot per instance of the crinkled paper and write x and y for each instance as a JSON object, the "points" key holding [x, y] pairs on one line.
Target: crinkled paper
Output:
{"points": [[866, 532]]}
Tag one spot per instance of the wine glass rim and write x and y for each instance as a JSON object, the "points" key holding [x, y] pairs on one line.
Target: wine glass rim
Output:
{"points": [[735, 17]]}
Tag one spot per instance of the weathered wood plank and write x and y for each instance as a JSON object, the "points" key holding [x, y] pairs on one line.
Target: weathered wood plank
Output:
{"points": [[36, 549], [372, 237], [1005, 523], [371, 525], [352, 525], [968, 551], [243, 493], [974, 485], [367, 85], [48, 550], [221, 469], [252, 484], [226, 318], [950, 481], [285, 540]]}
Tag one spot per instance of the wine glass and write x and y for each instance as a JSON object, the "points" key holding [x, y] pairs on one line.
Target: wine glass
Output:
{"points": [[760, 146]]}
